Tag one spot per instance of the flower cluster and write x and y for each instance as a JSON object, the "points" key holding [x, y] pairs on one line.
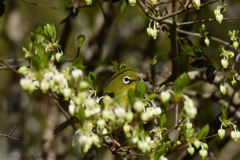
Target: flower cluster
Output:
{"points": [[218, 13], [153, 32], [234, 38], [226, 57]]}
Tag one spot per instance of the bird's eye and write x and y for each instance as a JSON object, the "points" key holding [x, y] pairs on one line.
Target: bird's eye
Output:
{"points": [[126, 80]]}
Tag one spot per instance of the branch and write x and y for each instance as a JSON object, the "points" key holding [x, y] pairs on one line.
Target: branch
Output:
{"points": [[198, 35], [12, 130], [10, 67]]}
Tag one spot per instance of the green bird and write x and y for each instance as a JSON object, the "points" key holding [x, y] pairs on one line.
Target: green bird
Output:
{"points": [[121, 81]]}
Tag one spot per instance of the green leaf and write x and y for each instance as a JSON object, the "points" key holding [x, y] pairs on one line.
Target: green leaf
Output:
{"points": [[71, 83], [181, 82], [140, 87], [184, 53], [203, 132], [40, 51], [80, 39], [154, 60], [198, 52], [116, 65], [224, 113], [91, 79], [131, 97], [200, 63], [123, 6], [122, 66], [36, 63], [78, 63], [163, 119], [186, 40], [160, 150], [120, 96], [152, 95], [81, 116]]}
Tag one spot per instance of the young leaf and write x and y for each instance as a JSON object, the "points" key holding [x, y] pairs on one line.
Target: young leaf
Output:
{"points": [[198, 52], [163, 119], [152, 95], [81, 115], [116, 65], [91, 79], [140, 87], [181, 82], [184, 53], [123, 6], [224, 113], [78, 63], [80, 39], [203, 132], [200, 63], [186, 40]]}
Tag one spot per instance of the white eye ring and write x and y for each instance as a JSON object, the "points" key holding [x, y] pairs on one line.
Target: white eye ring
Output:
{"points": [[126, 79]]}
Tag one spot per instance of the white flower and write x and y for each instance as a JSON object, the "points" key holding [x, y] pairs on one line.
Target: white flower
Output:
{"points": [[24, 82], [120, 112], [48, 75], [76, 73], [196, 4], [72, 108], [235, 135], [165, 96], [138, 106], [223, 89]]}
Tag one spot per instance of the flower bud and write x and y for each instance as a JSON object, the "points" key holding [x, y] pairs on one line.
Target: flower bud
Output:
{"points": [[223, 89], [126, 128], [234, 83], [120, 112], [89, 2], [149, 30], [67, 93], [219, 18], [196, 4], [216, 12], [203, 153], [58, 56], [101, 123], [138, 106], [132, 2], [191, 112], [205, 146], [72, 108], [144, 116], [154, 33], [224, 63], [83, 85], [189, 125], [203, 28], [44, 86], [235, 135], [24, 82], [235, 45], [221, 133], [163, 158], [157, 111], [76, 73], [230, 54], [23, 70], [129, 117], [197, 143], [153, 1], [191, 150], [207, 42], [165, 96]]}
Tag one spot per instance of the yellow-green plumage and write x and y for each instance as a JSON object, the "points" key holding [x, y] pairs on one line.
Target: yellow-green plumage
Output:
{"points": [[116, 83]]}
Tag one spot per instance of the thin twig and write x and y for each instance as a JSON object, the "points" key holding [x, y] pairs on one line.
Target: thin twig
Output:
{"points": [[12, 130], [13, 69]]}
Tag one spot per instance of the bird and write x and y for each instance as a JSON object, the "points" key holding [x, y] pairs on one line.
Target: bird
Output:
{"points": [[122, 81]]}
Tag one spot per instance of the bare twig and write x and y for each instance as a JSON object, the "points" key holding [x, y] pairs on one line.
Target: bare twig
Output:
{"points": [[9, 66], [12, 130]]}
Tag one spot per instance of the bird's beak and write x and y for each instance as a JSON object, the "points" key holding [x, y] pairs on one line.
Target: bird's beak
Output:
{"points": [[145, 80]]}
